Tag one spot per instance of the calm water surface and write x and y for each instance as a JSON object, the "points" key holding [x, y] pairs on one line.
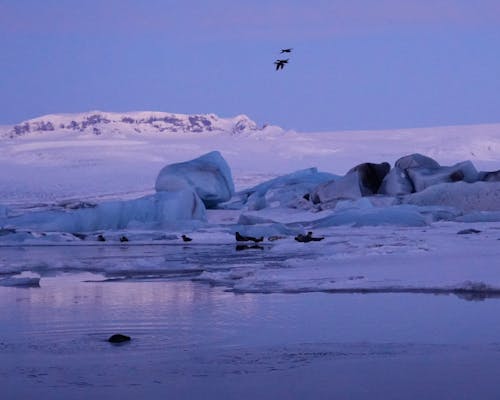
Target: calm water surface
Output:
{"points": [[191, 340]]}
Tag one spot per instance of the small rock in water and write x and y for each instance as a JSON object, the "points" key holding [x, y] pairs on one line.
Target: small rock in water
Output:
{"points": [[119, 338], [468, 231], [101, 238]]}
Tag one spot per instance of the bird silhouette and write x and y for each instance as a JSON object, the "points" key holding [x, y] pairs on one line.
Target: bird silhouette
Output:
{"points": [[280, 64], [186, 238], [289, 50]]}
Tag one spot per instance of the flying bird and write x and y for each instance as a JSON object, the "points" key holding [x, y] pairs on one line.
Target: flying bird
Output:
{"points": [[286, 50], [280, 64]]}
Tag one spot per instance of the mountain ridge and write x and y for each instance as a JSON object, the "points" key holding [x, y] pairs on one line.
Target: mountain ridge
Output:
{"points": [[101, 122]]}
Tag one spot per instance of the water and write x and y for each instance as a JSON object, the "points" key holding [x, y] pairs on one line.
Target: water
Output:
{"points": [[191, 340]]}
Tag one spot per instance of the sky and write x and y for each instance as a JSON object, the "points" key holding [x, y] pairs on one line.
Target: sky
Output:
{"points": [[356, 64]]}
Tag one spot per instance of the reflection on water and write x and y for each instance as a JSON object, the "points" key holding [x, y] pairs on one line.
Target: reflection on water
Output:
{"points": [[189, 338], [185, 313]]}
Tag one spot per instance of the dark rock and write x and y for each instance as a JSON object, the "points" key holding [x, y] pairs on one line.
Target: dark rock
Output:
{"points": [[101, 238], [123, 239], [186, 238], [468, 231], [119, 338], [80, 236]]}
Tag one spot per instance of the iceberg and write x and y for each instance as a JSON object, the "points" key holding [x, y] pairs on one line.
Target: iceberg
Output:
{"points": [[285, 191], [478, 196], [155, 211], [209, 176], [367, 215], [424, 177]]}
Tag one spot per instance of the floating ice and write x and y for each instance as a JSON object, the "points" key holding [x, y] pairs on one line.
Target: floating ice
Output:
{"points": [[425, 177], [396, 182], [402, 215], [343, 188], [284, 191], [478, 196], [24, 279], [416, 160], [209, 176], [153, 211]]}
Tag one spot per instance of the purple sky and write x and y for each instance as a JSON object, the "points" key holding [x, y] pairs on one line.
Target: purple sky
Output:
{"points": [[357, 64]]}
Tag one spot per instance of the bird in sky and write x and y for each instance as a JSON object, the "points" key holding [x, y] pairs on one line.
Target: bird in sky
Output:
{"points": [[286, 50], [280, 64]]}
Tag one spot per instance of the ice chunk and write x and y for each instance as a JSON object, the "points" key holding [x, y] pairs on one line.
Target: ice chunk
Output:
{"points": [[153, 211], [402, 215], [24, 279], [425, 177], [345, 188], [209, 176], [396, 182], [284, 191], [478, 196], [493, 176], [480, 216], [3, 211], [416, 160], [267, 230], [250, 219]]}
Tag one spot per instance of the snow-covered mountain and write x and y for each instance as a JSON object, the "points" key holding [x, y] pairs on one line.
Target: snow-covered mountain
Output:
{"points": [[98, 123]]}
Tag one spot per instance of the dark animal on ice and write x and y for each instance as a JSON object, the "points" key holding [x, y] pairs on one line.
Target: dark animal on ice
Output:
{"points": [[468, 231], [186, 238], [308, 238], [123, 239], [241, 238], [101, 238]]}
